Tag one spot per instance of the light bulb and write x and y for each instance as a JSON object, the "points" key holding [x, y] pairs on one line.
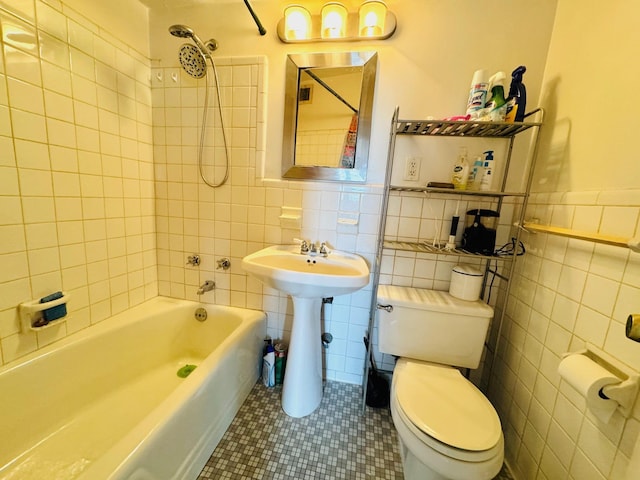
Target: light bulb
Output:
{"points": [[372, 16], [334, 20], [297, 23]]}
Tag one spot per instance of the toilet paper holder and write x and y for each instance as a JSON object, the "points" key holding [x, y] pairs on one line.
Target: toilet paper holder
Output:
{"points": [[632, 329], [623, 393]]}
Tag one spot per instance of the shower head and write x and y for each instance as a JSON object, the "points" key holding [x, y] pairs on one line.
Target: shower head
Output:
{"points": [[192, 60], [182, 31]]}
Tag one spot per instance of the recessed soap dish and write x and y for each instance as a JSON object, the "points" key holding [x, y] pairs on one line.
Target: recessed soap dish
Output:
{"points": [[32, 313]]}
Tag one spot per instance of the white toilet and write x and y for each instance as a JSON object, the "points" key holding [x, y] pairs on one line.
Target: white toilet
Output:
{"points": [[447, 428]]}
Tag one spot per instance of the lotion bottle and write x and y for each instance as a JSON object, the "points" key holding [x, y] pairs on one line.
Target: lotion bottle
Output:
{"points": [[475, 174], [460, 174], [487, 174]]}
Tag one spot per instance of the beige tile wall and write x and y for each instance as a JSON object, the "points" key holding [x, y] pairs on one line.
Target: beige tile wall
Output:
{"points": [[191, 216], [566, 293], [76, 180], [314, 147], [243, 215], [416, 217]]}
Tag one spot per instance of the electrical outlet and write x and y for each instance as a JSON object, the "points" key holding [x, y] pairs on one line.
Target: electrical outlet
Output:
{"points": [[412, 169]]}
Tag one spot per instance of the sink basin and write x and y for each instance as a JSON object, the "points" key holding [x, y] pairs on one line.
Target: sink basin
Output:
{"points": [[283, 267], [308, 279]]}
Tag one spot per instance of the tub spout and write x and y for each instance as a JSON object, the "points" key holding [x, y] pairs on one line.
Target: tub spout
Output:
{"points": [[207, 286]]}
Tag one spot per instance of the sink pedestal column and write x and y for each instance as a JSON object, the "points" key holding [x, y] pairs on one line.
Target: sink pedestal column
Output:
{"points": [[302, 386]]}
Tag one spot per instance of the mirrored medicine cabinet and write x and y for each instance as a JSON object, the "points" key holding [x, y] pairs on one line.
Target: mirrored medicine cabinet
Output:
{"points": [[327, 115]]}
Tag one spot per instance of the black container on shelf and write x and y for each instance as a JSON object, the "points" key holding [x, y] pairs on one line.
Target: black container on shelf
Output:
{"points": [[480, 234]]}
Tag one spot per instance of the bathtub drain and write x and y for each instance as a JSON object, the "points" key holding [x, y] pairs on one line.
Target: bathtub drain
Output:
{"points": [[201, 314]]}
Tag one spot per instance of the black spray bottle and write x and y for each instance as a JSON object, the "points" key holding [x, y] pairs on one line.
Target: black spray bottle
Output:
{"points": [[517, 99]]}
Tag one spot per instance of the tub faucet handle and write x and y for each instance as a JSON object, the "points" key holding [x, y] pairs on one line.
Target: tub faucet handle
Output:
{"points": [[223, 263], [193, 260]]}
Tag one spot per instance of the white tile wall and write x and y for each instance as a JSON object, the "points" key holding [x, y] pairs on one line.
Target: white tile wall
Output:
{"points": [[77, 168], [583, 293]]}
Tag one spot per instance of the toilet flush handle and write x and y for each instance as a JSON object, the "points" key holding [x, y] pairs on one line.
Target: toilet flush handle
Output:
{"points": [[386, 308]]}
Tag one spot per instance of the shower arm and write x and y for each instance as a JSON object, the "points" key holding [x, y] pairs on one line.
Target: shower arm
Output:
{"points": [[261, 29]]}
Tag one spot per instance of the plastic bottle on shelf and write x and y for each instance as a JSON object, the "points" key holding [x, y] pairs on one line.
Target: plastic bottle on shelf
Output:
{"points": [[496, 106], [475, 174], [517, 100], [487, 173], [460, 171], [477, 92]]}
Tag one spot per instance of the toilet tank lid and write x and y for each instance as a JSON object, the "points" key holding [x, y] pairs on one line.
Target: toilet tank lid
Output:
{"points": [[432, 300]]}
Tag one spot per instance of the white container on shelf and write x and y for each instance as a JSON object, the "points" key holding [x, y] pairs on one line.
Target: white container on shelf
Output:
{"points": [[466, 282]]}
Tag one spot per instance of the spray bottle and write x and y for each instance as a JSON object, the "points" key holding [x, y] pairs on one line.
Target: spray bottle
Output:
{"points": [[496, 106], [477, 92], [487, 174], [517, 100]]}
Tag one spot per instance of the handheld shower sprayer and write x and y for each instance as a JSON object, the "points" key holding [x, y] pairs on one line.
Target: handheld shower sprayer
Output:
{"points": [[193, 59], [182, 31]]}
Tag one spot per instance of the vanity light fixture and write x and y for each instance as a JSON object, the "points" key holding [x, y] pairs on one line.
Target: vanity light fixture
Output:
{"points": [[373, 21]]}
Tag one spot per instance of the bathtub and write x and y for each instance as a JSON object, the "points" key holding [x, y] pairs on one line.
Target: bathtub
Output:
{"points": [[107, 403]]}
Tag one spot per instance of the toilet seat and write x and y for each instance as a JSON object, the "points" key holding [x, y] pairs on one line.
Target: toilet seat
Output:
{"points": [[446, 411]]}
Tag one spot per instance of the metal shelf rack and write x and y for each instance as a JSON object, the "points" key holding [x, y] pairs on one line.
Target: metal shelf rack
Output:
{"points": [[467, 129]]}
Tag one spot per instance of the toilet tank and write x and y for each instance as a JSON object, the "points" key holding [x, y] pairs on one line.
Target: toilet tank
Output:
{"points": [[432, 326]]}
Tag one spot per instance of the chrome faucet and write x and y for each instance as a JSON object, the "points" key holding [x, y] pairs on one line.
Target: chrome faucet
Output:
{"points": [[313, 248], [207, 286]]}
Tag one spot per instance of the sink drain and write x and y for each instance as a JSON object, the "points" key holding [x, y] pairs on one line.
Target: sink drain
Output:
{"points": [[201, 314]]}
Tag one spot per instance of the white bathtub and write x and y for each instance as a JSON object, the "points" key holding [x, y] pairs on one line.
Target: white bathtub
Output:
{"points": [[106, 402]]}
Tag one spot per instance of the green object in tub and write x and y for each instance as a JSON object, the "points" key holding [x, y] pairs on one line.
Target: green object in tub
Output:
{"points": [[184, 372]]}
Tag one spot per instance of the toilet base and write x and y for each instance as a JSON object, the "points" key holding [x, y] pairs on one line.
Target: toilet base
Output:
{"points": [[414, 469]]}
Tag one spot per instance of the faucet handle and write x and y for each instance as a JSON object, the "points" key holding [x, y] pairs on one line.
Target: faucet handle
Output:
{"points": [[324, 251], [223, 263], [304, 246], [193, 260]]}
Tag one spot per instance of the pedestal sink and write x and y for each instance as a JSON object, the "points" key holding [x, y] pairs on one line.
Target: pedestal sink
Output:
{"points": [[308, 279]]}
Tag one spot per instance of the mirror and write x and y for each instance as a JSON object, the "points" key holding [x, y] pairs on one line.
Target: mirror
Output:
{"points": [[327, 115]]}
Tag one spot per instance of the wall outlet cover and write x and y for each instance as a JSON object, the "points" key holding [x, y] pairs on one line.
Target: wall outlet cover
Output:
{"points": [[412, 169]]}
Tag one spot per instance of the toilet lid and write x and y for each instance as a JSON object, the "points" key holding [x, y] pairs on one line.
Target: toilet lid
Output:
{"points": [[446, 406]]}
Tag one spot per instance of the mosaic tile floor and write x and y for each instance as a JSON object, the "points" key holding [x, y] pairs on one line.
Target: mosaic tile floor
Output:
{"points": [[334, 442]]}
